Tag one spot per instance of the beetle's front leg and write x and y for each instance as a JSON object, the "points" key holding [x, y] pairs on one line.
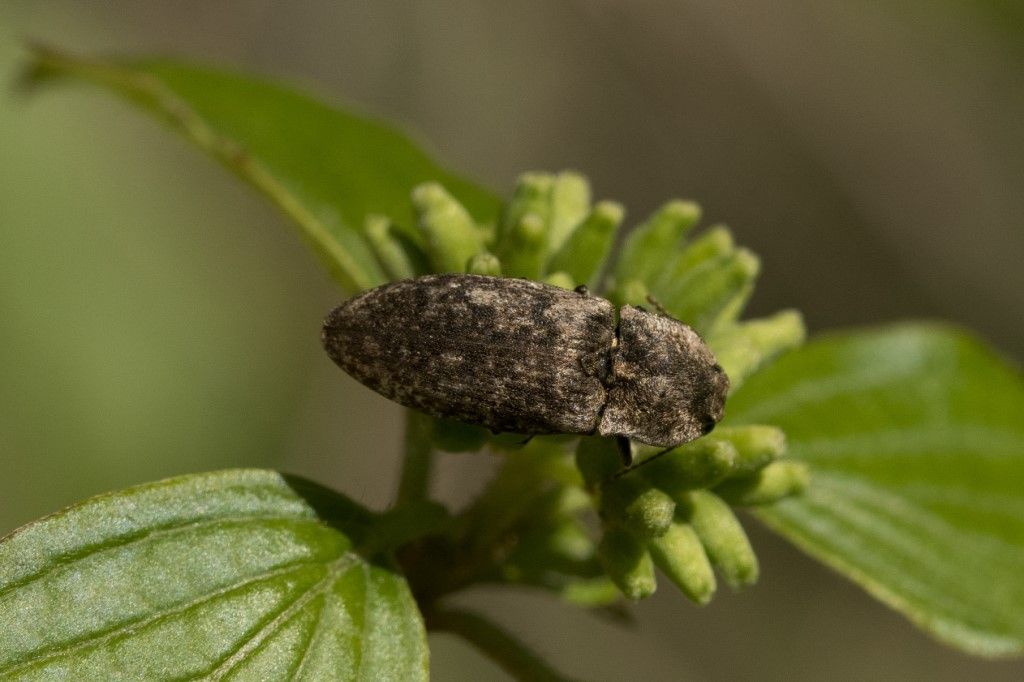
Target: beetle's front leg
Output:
{"points": [[625, 450]]}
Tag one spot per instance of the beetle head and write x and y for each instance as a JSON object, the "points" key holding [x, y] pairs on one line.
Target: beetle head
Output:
{"points": [[667, 388]]}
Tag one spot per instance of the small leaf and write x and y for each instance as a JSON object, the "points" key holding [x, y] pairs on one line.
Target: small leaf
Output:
{"points": [[231, 574], [915, 439], [324, 168]]}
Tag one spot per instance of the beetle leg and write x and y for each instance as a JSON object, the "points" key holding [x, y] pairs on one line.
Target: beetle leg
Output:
{"points": [[625, 451]]}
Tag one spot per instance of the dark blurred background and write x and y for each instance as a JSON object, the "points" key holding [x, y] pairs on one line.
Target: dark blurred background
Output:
{"points": [[156, 317]]}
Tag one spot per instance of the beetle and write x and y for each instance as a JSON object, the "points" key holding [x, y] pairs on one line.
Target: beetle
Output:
{"points": [[519, 356]]}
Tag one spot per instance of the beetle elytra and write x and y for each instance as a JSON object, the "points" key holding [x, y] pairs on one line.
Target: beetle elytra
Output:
{"points": [[519, 356]]}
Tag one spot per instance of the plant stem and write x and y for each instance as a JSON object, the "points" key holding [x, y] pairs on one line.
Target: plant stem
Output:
{"points": [[417, 465], [508, 652]]}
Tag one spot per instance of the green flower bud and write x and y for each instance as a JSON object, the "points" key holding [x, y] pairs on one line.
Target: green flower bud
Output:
{"points": [[393, 255], [568, 500], [631, 502], [700, 464], [713, 244], [522, 253], [774, 482], [723, 537], [681, 557], [756, 447], [452, 237], [560, 547], [484, 263], [568, 540], [651, 246], [587, 248], [532, 196], [628, 563], [733, 308], [743, 348], [591, 592], [700, 297], [570, 203], [734, 300]]}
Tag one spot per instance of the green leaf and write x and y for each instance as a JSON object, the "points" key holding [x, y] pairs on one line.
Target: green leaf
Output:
{"points": [[240, 574], [915, 439], [326, 169]]}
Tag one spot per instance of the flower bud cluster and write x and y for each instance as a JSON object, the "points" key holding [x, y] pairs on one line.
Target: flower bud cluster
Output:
{"points": [[674, 512]]}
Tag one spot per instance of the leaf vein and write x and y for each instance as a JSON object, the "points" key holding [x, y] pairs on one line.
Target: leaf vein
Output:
{"points": [[99, 637], [334, 571], [140, 538], [311, 642]]}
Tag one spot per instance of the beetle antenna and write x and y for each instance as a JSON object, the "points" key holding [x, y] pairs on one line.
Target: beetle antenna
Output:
{"points": [[658, 306]]}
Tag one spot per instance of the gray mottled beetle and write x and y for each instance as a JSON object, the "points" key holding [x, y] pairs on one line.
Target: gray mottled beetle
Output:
{"points": [[519, 356]]}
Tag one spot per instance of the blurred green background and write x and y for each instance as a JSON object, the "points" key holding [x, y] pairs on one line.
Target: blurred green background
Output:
{"points": [[156, 317]]}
